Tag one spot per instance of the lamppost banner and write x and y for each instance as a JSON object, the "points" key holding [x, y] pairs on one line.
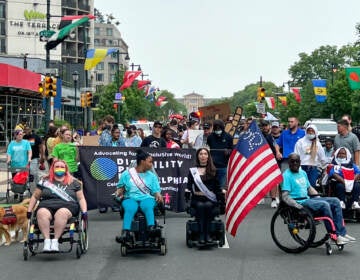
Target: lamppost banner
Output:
{"points": [[101, 168]]}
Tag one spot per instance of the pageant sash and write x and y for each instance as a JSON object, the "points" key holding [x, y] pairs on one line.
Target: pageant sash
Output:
{"points": [[61, 193], [138, 181], [199, 183]]}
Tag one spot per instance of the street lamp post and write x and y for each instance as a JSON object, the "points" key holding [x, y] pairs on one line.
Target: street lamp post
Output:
{"points": [[75, 76], [25, 60], [118, 76], [133, 65]]}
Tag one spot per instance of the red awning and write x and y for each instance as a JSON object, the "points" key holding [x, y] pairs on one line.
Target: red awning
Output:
{"points": [[19, 78]]}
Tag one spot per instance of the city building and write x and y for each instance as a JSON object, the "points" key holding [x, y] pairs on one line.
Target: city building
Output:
{"points": [[193, 101]]}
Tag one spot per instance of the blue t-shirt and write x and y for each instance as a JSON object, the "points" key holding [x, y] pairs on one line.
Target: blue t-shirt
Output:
{"points": [[296, 184], [132, 191], [287, 141], [18, 151]]}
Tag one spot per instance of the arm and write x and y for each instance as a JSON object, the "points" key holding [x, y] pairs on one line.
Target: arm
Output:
{"points": [[289, 201], [34, 198], [312, 191], [356, 157], [82, 201]]}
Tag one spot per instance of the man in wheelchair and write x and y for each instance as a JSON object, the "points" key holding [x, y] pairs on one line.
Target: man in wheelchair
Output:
{"points": [[61, 197], [296, 190], [139, 188], [206, 200]]}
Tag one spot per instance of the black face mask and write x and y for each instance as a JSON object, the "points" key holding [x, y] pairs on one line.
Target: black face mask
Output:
{"points": [[108, 126], [129, 131]]}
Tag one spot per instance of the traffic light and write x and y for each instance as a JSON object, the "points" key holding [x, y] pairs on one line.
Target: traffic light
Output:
{"points": [[83, 100], [41, 88], [50, 86], [89, 99], [261, 94]]}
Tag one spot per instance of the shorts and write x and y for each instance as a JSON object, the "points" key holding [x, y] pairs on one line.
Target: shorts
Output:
{"points": [[54, 205]]}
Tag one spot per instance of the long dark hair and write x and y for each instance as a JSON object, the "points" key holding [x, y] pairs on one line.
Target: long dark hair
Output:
{"points": [[210, 167]]}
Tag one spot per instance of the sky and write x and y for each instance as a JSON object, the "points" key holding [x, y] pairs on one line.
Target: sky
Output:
{"points": [[215, 48]]}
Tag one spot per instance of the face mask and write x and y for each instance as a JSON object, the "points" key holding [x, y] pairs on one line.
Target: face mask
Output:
{"points": [[59, 172], [311, 136], [218, 132], [129, 131], [108, 127], [340, 160], [196, 127]]}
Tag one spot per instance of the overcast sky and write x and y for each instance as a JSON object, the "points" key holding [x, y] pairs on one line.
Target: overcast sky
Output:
{"points": [[216, 48]]}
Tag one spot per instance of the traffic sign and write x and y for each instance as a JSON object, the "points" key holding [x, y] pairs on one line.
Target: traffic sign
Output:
{"points": [[118, 96]]}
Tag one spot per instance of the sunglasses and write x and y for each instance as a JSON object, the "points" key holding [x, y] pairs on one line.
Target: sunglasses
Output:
{"points": [[294, 160]]}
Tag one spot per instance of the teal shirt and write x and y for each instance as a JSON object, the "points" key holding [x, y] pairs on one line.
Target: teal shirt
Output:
{"points": [[132, 191], [296, 184], [18, 152]]}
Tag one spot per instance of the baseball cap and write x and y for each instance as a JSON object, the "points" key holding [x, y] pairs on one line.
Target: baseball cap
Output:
{"points": [[206, 125], [157, 123], [275, 124]]}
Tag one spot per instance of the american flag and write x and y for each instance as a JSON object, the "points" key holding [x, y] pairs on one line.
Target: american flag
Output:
{"points": [[252, 173]]}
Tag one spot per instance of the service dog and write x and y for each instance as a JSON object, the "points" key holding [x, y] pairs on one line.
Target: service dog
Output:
{"points": [[14, 219]]}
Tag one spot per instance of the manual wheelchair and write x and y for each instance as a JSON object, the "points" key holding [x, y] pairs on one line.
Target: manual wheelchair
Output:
{"points": [[75, 233], [140, 238], [294, 231], [216, 228]]}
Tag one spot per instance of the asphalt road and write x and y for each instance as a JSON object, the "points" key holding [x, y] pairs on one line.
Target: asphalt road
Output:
{"points": [[251, 255]]}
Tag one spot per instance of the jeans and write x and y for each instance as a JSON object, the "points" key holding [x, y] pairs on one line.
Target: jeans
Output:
{"points": [[130, 208], [328, 207], [312, 173], [221, 176], [340, 192]]}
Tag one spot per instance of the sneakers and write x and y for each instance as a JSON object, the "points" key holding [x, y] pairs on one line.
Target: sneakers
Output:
{"points": [[47, 245], [355, 205], [54, 245], [274, 204], [342, 204], [351, 239], [342, 240]]}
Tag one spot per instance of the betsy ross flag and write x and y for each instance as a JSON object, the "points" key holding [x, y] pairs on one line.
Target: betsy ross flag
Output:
{"points": [[252, 173], [353, 76], [67, 24], [94, 56], [129, 78]]}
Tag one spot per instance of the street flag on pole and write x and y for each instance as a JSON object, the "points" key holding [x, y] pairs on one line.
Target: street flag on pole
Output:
{"points": [[283, 100], [67, 24], [94, 56], [252, 173], [129, 78], [270, 101], [320, 90], [353, 76], [142, 83], [296, 92]]}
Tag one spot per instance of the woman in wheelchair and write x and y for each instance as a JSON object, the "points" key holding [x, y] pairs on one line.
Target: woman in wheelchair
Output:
{"points": [[296, 190], [61, 197], [205, 191], [139, 187], [346, 175]]}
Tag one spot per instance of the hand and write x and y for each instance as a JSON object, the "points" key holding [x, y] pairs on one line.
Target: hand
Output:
{"points": [[120, 192], [84, 216], [28, 215], [158, 198]]}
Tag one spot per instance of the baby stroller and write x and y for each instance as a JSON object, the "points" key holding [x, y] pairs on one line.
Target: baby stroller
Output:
{"points": [[18, 184]]}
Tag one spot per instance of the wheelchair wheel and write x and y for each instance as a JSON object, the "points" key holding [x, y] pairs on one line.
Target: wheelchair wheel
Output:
{"points": [[163, 248], [25, 251], [292, 233], [78, 251], [123, 250], [321, 235], [84, 239]]}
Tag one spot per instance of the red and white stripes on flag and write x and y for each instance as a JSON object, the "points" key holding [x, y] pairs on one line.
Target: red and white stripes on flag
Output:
{"points": [[252, 173], [296, 92], [270, 101], [348, 174]]}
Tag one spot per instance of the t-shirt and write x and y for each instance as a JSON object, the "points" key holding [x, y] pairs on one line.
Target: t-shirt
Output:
{"points": [[296, 184], [132, 191], [68, 153], [18, 151], [153, 142], [35, 142], [287, 141]]}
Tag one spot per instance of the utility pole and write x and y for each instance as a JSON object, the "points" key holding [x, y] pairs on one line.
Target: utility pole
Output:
{"points": [[47, 99]]}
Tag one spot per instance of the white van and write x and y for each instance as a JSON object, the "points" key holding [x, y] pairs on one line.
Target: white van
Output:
{"points": [[327, 128]]}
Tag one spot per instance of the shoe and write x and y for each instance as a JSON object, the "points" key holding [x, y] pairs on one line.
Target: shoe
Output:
{"points": [[274, 204], [103, 210], [355, 205], [342, 240], [47, 245], [277, 200], [115, 208], [208, 239], [124, 237], [342, 205], [351, 239], [54, 245]]}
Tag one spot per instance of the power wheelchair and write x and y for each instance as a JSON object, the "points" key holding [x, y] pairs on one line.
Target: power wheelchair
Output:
{"points": [[75, 233], [294, 231], [216, 228], [140, 238]]}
